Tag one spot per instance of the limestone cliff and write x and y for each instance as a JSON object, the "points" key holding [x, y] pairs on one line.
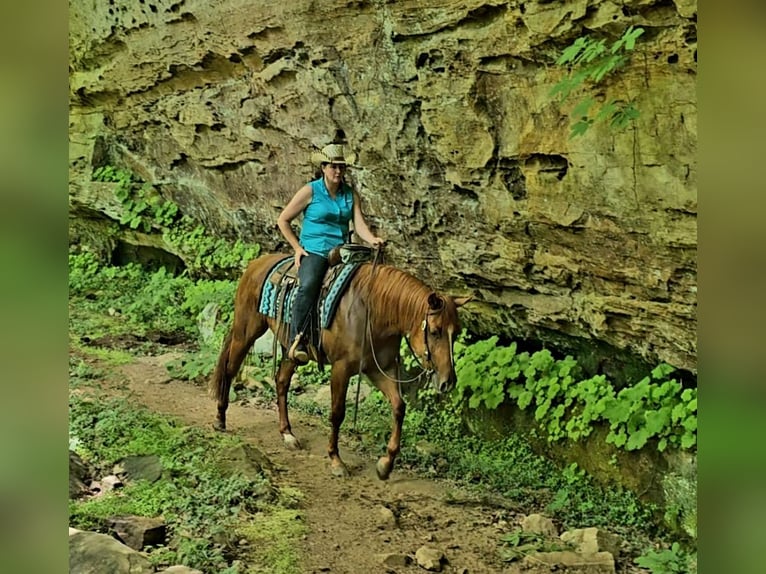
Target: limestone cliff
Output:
{"points": [[465, 161]]}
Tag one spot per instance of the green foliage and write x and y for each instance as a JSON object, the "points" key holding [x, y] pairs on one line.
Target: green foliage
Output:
{"points": [[206, 255], [149, 300], [196, 366], [567, 406], [80, 370], [122, 177], [145, 209], [143, 206], [673, 560], [311, 374], [653, 408], [133, 301], [198, 296], [201, 293], [518, 543], [143, 301], [202, 504], [84, 269], [590, 61]]}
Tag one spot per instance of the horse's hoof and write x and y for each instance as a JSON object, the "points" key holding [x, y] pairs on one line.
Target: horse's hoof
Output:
{"points": [[291, 442], [340, 470], [219, 426], [383, 468]]}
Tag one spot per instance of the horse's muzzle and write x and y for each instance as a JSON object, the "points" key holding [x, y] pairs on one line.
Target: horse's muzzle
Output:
{"points": [[445, 385]]}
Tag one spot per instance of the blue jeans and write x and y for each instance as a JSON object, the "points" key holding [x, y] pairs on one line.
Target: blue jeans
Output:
{"points": [[310, 275]]}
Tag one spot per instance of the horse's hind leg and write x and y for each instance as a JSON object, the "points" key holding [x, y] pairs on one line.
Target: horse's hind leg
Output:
{"points": [[391, 390], [243, 334], [284, 376]]}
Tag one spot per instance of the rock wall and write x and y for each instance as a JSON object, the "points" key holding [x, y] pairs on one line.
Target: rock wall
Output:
{"points": [[465, 163]]}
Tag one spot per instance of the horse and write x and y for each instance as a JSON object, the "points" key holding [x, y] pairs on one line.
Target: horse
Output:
{"points": [[386, 302]]}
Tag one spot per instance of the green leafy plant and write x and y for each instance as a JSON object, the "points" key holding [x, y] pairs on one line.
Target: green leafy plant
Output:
{"points": [[143, 206], [653, 408], [567, 406], [196, 366], [590, 61], [673, 560], [519, 543], [206, 255]]}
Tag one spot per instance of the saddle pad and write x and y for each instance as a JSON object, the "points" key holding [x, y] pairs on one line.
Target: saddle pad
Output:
{"points": [[280, 287], [339, 283], [270, 293]]}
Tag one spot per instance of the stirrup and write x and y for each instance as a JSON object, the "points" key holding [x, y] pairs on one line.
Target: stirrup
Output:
{"points": [[298, 353]]}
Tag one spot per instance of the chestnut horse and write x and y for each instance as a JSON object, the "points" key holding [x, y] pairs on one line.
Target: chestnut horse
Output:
{"points": [[391, 302]]}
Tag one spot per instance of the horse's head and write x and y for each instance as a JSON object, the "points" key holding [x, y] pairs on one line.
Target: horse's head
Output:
{"points": [[439, 329]]}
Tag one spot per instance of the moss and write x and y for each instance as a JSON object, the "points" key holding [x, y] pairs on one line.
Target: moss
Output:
{"points": [[271, 537], [680, 493]]}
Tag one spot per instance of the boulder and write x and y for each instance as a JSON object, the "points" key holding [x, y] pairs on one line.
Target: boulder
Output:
{"points": [[79, 476], [138, 467], [138, 531], [94, 553]]}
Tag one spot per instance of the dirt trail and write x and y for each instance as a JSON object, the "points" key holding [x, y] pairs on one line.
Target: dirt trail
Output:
{"points": [[347, 529]]}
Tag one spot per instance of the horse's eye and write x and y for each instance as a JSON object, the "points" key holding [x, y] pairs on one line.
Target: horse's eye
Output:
{"points": [[436, 333]]}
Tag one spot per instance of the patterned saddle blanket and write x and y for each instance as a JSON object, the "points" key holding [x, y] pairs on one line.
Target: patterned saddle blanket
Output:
{"points": [[281, 285]]}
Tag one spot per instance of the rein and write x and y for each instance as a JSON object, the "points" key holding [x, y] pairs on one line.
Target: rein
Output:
{"points": [[364, 339]]}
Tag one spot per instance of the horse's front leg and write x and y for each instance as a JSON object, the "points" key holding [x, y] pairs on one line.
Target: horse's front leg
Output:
{"points": [[339, 377], [284, 376], [390, 389]]}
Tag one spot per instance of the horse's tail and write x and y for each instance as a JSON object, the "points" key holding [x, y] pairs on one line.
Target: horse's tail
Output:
{"points": [[220, 383]]}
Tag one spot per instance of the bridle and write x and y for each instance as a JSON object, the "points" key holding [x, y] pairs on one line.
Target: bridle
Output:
{"points": [[426, 367]]}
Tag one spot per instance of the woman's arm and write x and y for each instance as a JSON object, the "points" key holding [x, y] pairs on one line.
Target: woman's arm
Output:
{"points": [[360, 225], [298, 203]]}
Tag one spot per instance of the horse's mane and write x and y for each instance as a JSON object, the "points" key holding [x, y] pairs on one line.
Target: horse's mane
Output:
{"points": [[398, 299]]}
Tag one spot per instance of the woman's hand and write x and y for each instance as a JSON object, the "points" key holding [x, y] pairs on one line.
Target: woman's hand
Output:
{"points": [[299, 252], [377, 242]]}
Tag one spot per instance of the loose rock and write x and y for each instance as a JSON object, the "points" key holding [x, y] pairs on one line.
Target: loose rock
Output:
{"points": [[137, 467], [539, 524], [569, 562], [394, 560], [386, 518], [592, 540], [429, 558], [138, 531], [180, 570]]}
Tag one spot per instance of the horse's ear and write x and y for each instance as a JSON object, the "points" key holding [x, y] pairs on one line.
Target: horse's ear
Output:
{"points": [[460, 301], [435, 302]]}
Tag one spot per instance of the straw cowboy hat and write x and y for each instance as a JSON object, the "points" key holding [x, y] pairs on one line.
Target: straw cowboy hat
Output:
{"points": [[333, 153]]}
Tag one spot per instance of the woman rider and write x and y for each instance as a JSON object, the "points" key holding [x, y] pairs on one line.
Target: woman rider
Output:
{"points": [[328, 204]]}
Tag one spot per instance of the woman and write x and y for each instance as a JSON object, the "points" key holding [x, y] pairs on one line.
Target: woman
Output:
{"points": [[328, 204]]}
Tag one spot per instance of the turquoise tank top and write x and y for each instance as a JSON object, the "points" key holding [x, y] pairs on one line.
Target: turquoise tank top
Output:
{"points": [[326, 220]]}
